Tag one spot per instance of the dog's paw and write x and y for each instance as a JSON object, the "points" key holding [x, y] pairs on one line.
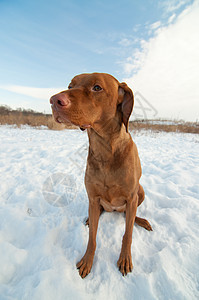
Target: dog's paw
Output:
{"points": [[143, 223], [85, 265], [125, 264], [147, 225]]}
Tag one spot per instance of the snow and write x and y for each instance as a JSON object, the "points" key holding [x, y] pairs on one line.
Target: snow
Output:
{"points": [[43, 205]]}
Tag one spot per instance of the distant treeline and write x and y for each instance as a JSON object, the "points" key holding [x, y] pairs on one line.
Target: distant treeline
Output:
{"points": [[30, 117]]}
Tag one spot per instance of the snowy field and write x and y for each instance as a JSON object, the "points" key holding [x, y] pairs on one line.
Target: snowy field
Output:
{"points": [[43, 204]]}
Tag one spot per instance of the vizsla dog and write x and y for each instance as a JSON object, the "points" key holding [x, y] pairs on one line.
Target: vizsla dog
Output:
{"points": [[99, 103]]}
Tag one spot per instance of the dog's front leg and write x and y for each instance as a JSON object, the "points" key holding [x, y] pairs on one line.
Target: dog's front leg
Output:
{"points": [[85, 264], [125, 260]]}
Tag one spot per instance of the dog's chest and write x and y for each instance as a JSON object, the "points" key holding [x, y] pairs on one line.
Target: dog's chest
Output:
{"points": [[112, 187], [112, 197]]}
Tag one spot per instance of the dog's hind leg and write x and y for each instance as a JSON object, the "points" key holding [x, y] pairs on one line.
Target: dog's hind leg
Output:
{"points": [[141, 195], [139, 221]]}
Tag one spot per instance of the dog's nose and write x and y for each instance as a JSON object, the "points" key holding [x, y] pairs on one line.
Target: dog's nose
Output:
{"points": [[60, 100]]}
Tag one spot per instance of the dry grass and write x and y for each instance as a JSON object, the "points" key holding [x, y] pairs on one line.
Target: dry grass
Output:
{"points": [[158, 125], [20, 117]]}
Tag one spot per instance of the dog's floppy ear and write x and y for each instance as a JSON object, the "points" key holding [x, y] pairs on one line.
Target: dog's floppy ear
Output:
{"points": [[126, 102]]}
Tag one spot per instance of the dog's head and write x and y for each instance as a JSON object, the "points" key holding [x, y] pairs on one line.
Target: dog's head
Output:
{"points": [[93, 100]]}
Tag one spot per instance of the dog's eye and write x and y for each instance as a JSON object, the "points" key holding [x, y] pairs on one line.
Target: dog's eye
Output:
{"points": [[97, 88], [69, 87]]}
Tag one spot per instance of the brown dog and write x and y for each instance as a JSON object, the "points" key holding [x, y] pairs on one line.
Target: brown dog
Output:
{"points": [[99, 103]]}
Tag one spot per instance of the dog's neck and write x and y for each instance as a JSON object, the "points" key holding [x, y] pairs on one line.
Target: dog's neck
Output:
{"points": [[105, 141]]}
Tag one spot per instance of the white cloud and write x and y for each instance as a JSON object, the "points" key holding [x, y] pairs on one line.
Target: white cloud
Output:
{"points": [[28, 97], [168, 68], [125, 42], [173, 5], [155, 25], [171, 18], [153, 28], [38, 93], [134, 63]]}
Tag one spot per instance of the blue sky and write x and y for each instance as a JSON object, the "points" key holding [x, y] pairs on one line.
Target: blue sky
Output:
{"points": [[45, 43]]}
